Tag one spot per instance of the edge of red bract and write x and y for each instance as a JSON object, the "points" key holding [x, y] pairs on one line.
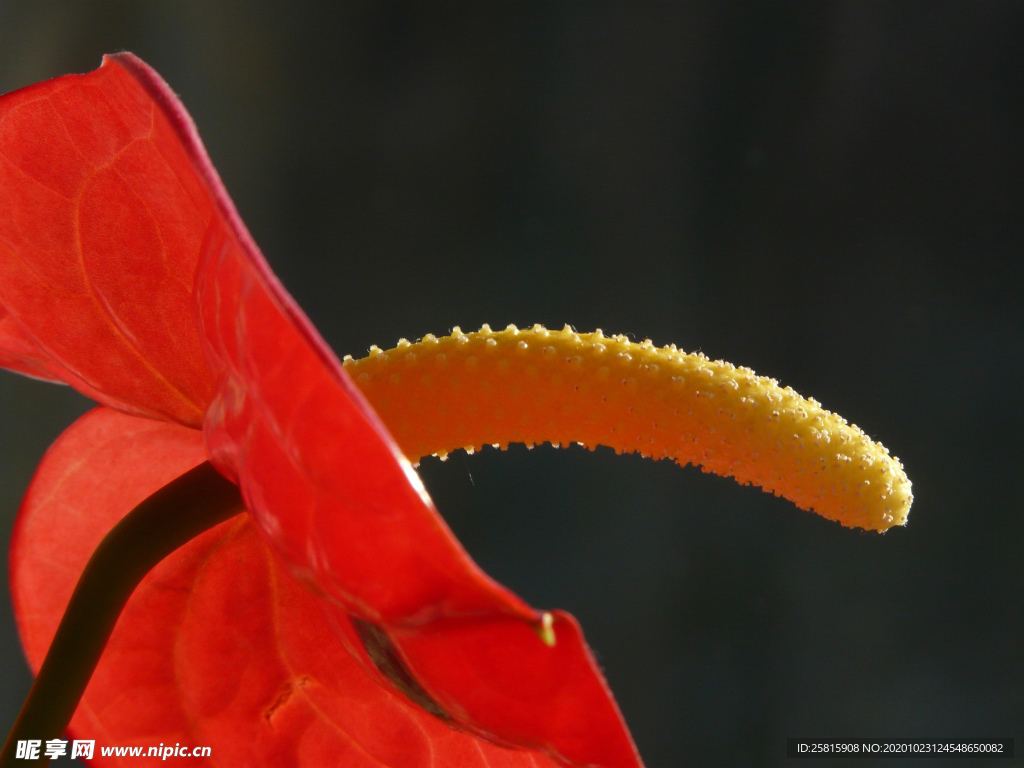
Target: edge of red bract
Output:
{"points": [[258, 670], [338, 503]]}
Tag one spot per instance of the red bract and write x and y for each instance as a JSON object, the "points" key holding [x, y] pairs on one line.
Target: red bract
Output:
{"points": [[126, 272]]}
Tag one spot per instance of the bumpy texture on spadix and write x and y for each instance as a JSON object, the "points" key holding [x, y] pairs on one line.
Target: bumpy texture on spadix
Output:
{"points": [[536, 385]]}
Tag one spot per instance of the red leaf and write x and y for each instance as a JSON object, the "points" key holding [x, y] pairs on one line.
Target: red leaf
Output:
{"points": [[219, 646], [104, 213]]}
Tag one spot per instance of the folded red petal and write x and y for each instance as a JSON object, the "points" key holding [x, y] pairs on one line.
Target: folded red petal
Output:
{"points": [[102, 213], [327, 485], [96, 472], [319, 472], [120, 242], [335, 497], [218, 646], [495, 677]]}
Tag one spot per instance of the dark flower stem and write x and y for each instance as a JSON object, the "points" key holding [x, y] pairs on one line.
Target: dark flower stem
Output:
{"points": [[178, 512]]}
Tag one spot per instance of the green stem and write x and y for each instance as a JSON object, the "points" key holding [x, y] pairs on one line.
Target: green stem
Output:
{"points": [[177, 513]]}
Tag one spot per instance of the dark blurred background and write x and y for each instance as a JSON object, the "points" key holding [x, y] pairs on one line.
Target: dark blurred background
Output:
{"points": [[829, 193]]}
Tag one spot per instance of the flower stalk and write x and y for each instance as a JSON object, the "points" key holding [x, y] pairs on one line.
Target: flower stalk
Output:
{"points": [[195, 502]]}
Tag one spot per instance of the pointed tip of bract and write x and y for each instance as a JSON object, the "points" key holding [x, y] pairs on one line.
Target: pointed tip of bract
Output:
{"points": [[546, 629]]}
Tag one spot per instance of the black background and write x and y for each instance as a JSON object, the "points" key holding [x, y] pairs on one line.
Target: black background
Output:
{"points": [[829, 193]]}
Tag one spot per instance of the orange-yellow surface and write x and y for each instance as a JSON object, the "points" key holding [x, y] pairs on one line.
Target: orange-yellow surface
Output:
{"points": [[536, 385]]}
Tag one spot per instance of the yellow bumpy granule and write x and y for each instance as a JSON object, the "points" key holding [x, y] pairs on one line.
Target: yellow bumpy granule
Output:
{"points": [[536, 385]]}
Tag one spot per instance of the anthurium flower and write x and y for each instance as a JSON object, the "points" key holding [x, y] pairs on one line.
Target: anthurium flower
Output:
{"points": [[339, 621]]}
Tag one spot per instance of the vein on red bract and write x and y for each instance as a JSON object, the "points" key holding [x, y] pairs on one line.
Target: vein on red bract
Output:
{"points": [[99, 243], [124, 263], [219, 646]]}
